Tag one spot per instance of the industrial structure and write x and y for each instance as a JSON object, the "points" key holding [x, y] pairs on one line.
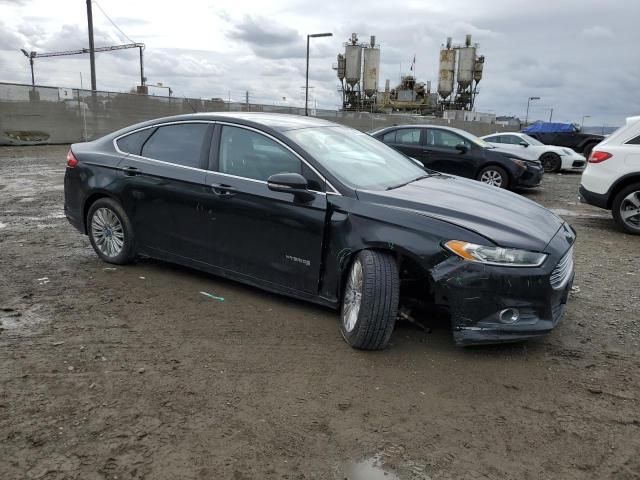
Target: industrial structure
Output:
{"points": [[358, 70], [460, 71]]}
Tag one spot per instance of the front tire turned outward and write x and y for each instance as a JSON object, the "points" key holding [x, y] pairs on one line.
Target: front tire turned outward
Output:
{"points": [[495, 176], [551, 162], [110, 232], [626, 209], [370, 300]]}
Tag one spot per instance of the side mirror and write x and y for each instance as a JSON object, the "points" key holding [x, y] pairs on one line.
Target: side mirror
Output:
{"points": [[417, 162], [462, 148], [524, 144], [290, 183]]}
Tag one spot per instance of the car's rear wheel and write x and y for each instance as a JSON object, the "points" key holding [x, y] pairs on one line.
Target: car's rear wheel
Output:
{"points": [[370, 300], [110, 232], [626, 209], [551, 162], [494, 175]]}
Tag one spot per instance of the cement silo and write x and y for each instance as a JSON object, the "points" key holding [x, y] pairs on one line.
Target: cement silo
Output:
{"points": [[340, 68], [353, 61], [477, 70], [466, 64], [371, 68], [446, 71]]}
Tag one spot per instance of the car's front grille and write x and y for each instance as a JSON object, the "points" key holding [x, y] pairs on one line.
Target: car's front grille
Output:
{"points": [[563, 270]]}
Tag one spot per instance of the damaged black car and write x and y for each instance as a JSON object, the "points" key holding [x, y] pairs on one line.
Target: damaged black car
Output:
{"points": [[321, 212]]}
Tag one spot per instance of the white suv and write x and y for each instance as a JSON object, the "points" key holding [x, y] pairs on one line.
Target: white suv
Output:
{"points": [[612, 177]]}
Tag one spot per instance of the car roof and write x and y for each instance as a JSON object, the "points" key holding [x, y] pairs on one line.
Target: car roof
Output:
{"points": [[276, 121]]}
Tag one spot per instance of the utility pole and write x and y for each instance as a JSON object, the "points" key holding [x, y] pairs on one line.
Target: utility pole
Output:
{"points": [[246, 99], [526, 118], [92, 55], [142, 79], [550, 115], [306, 88]]}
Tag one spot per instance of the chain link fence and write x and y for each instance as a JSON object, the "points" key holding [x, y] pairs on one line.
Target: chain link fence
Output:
{"points": [[41, 115]]}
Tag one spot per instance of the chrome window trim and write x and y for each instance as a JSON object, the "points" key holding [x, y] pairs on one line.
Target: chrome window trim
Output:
{"points": [[115, 146]]}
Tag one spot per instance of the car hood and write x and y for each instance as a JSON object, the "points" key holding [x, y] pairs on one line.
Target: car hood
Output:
{"points": [[505, 218]]}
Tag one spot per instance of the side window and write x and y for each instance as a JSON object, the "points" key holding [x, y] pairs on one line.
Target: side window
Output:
{"points": [[634, 141], [181, 144], [248, 154], [315, 182], [408, 136], [494, 139], [511, 139], [445, 139], [389, 137], [133, 143]]}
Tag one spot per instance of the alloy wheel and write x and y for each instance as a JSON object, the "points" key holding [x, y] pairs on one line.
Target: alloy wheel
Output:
{"points": [[491, 177], [352, 297], [107, 232], [630, 210]]}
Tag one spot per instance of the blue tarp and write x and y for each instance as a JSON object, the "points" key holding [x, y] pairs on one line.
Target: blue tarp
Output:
{"points": [[549, 127]]}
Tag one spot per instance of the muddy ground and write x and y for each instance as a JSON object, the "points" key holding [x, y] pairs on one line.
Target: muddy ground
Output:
{"points": [[132, 373]]}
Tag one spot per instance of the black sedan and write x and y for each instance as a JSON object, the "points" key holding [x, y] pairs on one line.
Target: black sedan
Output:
{"points": [[454, 151], [318, 211]]}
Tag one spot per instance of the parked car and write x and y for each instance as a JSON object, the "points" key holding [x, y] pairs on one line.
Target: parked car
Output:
{"points": [[612, 177], [552, 157], [564, 135], [454, 151], [321, 212]]}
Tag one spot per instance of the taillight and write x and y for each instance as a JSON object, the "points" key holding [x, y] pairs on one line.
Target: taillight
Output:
{"points": [[71, 160], [597, 157]]}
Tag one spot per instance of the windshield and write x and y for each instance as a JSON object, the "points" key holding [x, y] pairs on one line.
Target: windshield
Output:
{"points": [[472, 138], [355, 158], [531, 140]]}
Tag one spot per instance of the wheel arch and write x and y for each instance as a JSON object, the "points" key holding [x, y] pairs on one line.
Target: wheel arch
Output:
{"points": [[493, 163], [91, 199], [620, 184]]}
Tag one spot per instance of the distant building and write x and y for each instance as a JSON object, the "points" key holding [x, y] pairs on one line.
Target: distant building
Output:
{"points": [[505, 121], [469, 116]]}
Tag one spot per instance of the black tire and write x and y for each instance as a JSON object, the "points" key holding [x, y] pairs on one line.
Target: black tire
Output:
{"points": [[493, 171], [99, 209], [372, 323], [551, 162], [586, 151], [622, 204]]}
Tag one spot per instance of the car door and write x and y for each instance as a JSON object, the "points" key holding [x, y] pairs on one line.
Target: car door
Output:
{"points": [[409, 141], [443, 156], [164, 187], [268, 236]]}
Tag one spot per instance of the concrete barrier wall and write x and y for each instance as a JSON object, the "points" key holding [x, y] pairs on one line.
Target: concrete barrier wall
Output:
{"points": [[49, 115]]}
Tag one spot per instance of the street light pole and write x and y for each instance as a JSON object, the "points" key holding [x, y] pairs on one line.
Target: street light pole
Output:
{"points": [[92, 52], [526, 118], [583, 117], [306, 85]]}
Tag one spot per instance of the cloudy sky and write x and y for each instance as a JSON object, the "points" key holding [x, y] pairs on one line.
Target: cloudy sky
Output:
{"points": [[580, 56]]}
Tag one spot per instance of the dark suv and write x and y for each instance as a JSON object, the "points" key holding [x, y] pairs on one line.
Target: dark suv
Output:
{"points": [[564, 135], [454, 151]]}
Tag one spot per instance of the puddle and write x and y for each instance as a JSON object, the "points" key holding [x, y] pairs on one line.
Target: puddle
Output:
{"points": [[19, 320], [369, 469]]}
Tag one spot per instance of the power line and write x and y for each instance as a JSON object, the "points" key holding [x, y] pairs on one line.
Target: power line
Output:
{"points": [[112, 22]]}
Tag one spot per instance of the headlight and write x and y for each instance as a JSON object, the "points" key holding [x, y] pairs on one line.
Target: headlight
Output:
{"points": [[506, 257], [517, 161]]}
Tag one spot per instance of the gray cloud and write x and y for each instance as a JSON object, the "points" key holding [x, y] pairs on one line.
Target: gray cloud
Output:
{"points": [[263, 32]]}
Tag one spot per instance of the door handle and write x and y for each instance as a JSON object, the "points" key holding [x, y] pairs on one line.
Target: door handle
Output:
{"points": [[130, 171], [223, 190]]}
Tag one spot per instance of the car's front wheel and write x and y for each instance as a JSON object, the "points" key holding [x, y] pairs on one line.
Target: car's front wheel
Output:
{"points": [[494, 175], [370, 300], [626, 209], [110, 232], [551, 162]]}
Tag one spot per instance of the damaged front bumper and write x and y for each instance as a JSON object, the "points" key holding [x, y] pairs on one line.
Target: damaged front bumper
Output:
{"points": [[491, 304]]}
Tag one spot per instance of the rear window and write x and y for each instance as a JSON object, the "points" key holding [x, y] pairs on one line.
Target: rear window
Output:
{"points": [[181, 144], [634, 141], [133, 142]]}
